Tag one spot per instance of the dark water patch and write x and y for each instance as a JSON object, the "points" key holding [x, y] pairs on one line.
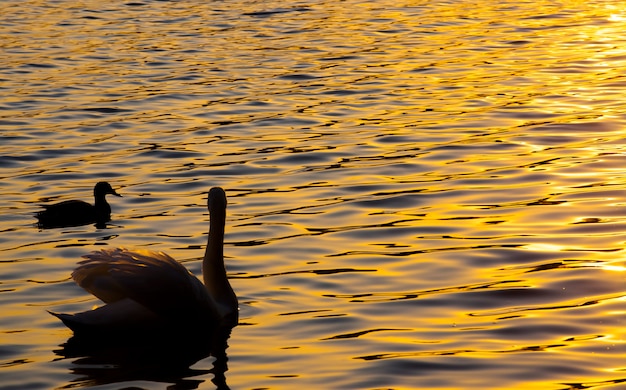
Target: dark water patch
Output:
{"points": [[304, 157], [10, 122], [592, 220], [20, 260], [197, 174], [548, 16], [15, 362], [40, 65], [298, 77], [459, 352], [599, 250], [398, 296], [537, 308], [537, 202], [421, 251], [509, 297], [605, 228], [362, 188], [576, 286], [379, 161], [379, 228], [15, 161], [363, 333], [398, 139], [277, 11], [518, 42], [315, 272], [303, 312], [478, 146], [563, 264], [578, 128], [536, 331], [351, 92], [394, 202], [339, 59], [106, 110], [594, 384], [167, 153]]}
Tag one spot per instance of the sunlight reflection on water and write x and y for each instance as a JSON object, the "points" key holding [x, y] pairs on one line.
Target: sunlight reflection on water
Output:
{"points": [[421, 194]]}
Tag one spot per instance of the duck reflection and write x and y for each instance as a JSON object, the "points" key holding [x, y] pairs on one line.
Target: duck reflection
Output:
{"points": [[77, 212], [148, 357]]}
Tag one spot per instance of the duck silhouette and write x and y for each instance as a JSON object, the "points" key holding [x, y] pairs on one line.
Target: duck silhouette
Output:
{"points": [[78, 212], [148, 292]]}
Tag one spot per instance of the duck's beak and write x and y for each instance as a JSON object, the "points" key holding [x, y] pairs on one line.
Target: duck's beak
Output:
{"points": [[116, 194]]}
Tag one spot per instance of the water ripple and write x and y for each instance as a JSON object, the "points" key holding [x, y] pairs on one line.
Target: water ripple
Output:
{"points": [[426, 194]]}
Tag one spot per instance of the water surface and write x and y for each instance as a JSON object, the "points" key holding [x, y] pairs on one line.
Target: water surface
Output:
{"points": [[422, 194]]}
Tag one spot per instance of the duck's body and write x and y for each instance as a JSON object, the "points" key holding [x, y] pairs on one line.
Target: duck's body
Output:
{"points": [[147, 291], [78, 212]]}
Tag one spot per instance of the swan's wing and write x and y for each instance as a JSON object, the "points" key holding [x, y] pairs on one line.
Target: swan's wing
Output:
{"points": [[153, 279], [124, 315]]}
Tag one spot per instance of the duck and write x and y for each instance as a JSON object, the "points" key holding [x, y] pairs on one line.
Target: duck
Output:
{"points": [[78, 212], [146, 291]]}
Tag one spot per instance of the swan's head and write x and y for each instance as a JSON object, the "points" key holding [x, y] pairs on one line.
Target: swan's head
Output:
{"points": [[217, 199], [103, 188]]}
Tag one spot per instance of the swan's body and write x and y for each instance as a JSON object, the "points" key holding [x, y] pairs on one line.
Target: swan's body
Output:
{"points": [[78, 212], [150, 291]]}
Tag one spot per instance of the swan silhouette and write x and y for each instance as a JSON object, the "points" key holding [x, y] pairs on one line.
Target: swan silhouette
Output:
{"points": [[146, 291], [77, 212]]}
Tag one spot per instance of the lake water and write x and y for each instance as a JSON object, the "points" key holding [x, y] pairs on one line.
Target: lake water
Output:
{"points": [[422, 194]]}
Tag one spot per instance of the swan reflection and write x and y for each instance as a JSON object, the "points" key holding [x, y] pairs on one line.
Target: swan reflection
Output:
{"points": [[168, 359]]}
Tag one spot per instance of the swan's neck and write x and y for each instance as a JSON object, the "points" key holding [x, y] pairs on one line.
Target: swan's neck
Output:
{"points": [[213, 269]]}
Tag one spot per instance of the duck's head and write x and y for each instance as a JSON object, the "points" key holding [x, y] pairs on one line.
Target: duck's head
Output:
{"points": [[104, 188]]}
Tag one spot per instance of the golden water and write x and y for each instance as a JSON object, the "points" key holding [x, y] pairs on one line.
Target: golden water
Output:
{"points": [[422, 194]]}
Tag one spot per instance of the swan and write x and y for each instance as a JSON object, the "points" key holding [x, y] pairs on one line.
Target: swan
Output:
{"points": [[78, 212], [147, 291]]}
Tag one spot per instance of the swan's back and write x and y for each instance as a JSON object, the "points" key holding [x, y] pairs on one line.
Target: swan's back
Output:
{"points": [[153, 279], [141, 289]]}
